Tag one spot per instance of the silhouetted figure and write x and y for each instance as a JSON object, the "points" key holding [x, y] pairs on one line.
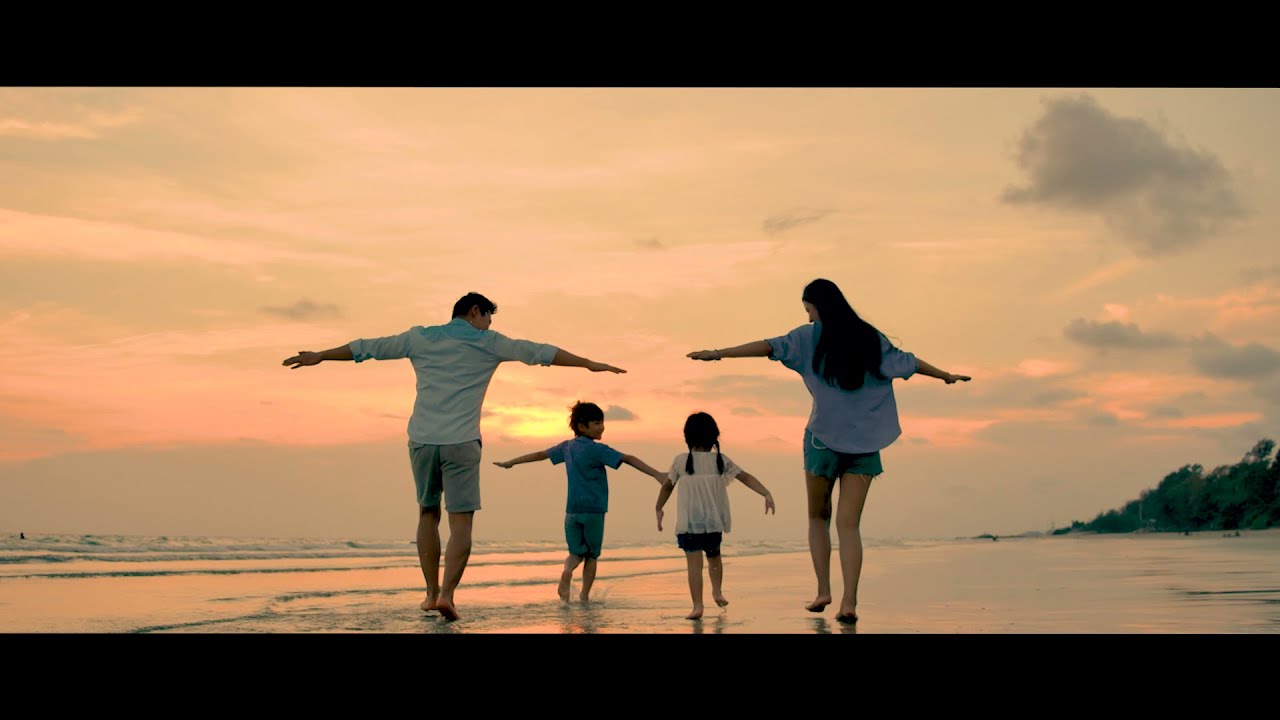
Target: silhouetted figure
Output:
{"points": [[848, 367], [22, 536], [453, 364]]}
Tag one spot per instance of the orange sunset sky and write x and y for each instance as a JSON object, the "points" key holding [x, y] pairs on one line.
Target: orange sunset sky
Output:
{"points": [[1103, 262]]}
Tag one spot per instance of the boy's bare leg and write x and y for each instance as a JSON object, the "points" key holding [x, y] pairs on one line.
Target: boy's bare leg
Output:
{"points": [[853, 497], [695, 583], [715, 568], [429, 553], [456, 554], [819, 493], [566, 577], [588, 577]]}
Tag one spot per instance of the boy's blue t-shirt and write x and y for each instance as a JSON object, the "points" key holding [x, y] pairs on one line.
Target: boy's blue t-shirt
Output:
{"points": [[585, 460]]}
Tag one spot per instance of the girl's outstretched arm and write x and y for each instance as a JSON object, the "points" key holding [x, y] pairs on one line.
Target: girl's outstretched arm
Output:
{"points": [[663, 495], [759, 348], [750, 481]]}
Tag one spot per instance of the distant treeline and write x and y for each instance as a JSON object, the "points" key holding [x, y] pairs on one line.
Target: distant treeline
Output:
{"points": [[1241, 496]]}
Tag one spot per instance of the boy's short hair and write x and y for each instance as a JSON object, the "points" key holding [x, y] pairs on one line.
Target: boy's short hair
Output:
{"points": [[583, 413], [466, 302]]}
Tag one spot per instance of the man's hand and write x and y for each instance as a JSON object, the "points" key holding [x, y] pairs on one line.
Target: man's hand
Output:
{"points": [[304, 357]]}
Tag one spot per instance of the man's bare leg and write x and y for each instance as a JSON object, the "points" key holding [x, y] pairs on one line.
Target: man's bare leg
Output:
{"points": [[456, 554], [429, 553]]}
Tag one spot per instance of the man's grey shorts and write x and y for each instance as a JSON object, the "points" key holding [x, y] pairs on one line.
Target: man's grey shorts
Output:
{"points": [[450, 469]]}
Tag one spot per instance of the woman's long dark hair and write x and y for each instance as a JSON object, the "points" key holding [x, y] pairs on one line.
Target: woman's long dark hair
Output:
{"points": [[701, 430], [849, 347]]}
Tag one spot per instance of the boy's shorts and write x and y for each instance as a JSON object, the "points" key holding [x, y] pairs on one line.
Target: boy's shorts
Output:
{"points": [[705, 542], [584, 533], [822, 460], [450, 469]]}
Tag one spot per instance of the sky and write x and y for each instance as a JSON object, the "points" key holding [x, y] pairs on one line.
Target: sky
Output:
{"points": [[1102, 261]]}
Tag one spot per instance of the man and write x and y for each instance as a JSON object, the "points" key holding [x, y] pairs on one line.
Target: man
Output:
{"points": [[454, 363]]}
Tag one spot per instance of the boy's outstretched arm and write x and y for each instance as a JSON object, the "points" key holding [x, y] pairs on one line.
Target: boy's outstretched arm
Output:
{"points": [[531, 457], [750, 481], [640, 465], [663, 495], [306, 357]]}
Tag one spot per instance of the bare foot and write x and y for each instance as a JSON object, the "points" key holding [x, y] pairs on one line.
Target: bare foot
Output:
{"points": [[720, 600], [428, 605], [847, 616], [697, 613], [445, 606], [583, 598], [563, 589], [819, 603]]}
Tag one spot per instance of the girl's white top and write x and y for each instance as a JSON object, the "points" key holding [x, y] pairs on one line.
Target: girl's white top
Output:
{"points": [[702, 499]]}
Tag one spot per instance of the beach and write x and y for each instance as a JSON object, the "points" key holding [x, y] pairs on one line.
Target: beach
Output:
{"points": [[1210, 582]]}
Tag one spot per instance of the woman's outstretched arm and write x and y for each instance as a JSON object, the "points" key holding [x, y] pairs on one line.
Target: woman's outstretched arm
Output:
{"points": [[759, 348], [931, 371]]}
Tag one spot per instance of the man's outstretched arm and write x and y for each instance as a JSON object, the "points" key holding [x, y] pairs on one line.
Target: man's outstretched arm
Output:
{"points": [[306, 357], [565, 358]]}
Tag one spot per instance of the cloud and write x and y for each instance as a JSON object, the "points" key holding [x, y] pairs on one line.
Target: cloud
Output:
{"points": [[617, 412], [782, 222], [1214, 357], [1166, 412], [84, 126], [1117, 335], [1053, 397], [1102, 418], [650, 244], [1116, 311], [1270, 392], [746, 412], [47, 236], [1160, 195], [1040, 367], [1044, 483], [774, 396], [303, 310], [24, 439], [1259, 273]]}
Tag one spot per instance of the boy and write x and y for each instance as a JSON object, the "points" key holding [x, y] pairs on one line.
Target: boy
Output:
{"points": [[588, 498]]}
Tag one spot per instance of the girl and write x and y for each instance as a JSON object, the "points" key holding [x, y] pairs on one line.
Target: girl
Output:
{"points": [[702, 510]]}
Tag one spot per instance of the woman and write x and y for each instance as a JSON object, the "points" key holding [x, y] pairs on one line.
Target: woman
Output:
{"points": [[848, 367]]}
